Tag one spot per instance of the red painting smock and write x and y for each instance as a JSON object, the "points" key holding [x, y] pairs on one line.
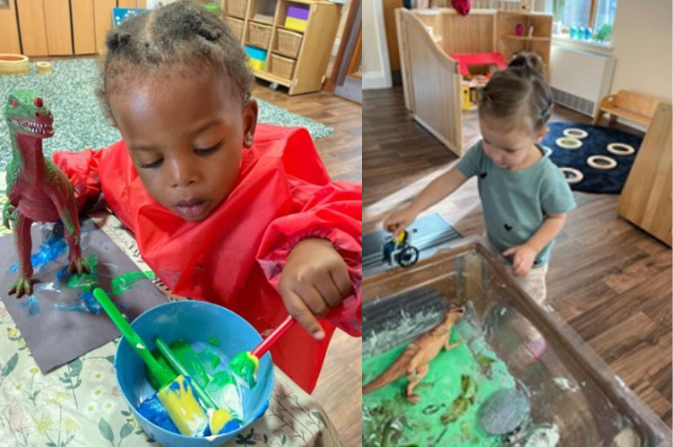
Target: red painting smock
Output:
{"points": [[283, 194]]}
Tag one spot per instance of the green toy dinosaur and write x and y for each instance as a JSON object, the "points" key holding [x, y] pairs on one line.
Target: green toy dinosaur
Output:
{"points": [[37, 189]]}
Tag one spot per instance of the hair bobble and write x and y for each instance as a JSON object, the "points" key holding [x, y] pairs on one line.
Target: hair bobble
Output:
{"points": [[547, 111]]}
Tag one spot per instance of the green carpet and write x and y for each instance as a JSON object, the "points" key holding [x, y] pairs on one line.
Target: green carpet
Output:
{"points": [[79, 122]]}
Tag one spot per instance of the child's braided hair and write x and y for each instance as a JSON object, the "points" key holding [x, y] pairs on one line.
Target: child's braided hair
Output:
{"points": [[519, 93], [182, 37]]}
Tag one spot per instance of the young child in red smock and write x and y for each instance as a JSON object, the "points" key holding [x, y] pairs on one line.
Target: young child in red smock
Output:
{"points": [[224, 209]]}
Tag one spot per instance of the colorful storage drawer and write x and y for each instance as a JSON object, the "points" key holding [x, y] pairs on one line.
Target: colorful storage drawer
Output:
{"points": [[256, 57], [256, 64], [296, 24], [297, 17], [298, 12]]}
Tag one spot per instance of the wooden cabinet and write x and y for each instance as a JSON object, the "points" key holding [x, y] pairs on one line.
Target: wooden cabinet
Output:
{"points": [[83, 27], [58, 27], [646, 198], [102, 18], [9, 29], [32, 27], [45, 27], [303, 70]]}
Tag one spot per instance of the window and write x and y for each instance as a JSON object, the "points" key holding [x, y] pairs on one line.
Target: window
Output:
{"points": [[598, 15]]}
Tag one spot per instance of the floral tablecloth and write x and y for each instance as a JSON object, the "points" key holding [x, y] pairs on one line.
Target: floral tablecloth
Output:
{"points": [[80, 403]]}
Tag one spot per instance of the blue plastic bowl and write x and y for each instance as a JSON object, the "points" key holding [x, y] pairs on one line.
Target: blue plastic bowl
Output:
{"points": [[194, 322]]}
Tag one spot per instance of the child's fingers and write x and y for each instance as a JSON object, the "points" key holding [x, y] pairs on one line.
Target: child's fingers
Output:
{"points": [[311, 296], [302, 313], [342, 281], [328, 291], [509, 251], [392, 225]]}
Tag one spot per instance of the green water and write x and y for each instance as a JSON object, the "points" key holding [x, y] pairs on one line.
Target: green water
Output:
{"points": [[446, 412]]}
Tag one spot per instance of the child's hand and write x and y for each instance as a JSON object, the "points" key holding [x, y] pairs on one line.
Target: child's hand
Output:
{"points": [[314, 279], [399, 220], [524, 256]]}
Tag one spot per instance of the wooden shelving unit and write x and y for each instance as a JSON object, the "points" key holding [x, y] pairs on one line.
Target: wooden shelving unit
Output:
{"points": [[539, 41], [305, 71]]}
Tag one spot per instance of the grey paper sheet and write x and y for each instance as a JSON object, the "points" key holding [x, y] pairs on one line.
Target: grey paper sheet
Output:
{"points": [[56, 322]]}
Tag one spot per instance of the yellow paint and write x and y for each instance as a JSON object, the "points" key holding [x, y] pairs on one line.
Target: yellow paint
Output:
{"points": [[181, 405], [218, 419]]}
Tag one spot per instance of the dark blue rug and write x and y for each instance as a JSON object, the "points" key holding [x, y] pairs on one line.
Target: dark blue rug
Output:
{"points": [[595, 180]]}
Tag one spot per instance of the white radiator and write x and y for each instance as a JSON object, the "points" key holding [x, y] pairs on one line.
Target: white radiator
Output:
{"points": [[579, 78]]}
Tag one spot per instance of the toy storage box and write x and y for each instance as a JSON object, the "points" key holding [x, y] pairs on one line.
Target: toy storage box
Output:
{"points": [[594, 414]]}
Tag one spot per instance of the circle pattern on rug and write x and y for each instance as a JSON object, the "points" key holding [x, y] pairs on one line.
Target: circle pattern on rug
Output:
{"points": [[572, 175], [575, 133], [569, 143], [609, 181], [620, 149], [601, 162]]}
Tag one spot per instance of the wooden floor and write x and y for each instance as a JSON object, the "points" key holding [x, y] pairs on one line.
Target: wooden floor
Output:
{"points": [[339, 385], [610, 281]]}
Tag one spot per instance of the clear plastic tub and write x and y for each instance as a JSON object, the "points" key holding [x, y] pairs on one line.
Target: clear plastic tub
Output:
{"points": [[572, 391]]}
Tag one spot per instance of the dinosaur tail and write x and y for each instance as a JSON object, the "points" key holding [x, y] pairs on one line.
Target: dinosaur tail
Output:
{"points": [[394, 372]]}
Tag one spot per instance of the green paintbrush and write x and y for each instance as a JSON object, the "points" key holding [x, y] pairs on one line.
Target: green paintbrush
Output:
{"points": [[175, 392]]}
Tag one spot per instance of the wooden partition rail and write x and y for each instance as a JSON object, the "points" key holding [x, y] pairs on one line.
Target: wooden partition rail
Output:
{"points": [[431, 81]]}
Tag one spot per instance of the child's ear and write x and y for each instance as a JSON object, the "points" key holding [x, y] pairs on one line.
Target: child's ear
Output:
{"points": [[249, 122]]}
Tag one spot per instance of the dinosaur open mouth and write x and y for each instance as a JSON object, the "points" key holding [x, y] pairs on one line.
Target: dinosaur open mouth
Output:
{"points": [[33, 127]]}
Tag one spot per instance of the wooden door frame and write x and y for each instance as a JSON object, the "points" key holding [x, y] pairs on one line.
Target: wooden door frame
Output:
{"points": [[347, 47], [357, 57]]}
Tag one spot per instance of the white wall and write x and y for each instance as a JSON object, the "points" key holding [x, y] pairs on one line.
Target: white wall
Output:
{"points": [[375, 63], [643, 47]]}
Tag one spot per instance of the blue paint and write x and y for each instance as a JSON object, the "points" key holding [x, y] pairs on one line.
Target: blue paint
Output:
{"points": [[87, 304], [53, 286], [153, 410], [63, 273], [175, 386], [50, 250], [81, 307], [91, 303], [33, 306], [230, 426]]}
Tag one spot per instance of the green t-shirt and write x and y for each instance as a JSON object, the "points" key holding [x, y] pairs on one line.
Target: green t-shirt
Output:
{"points": [[515, 203]]}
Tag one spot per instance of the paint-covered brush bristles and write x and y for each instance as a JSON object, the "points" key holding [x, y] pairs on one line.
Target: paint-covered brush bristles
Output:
{"points": [[245, 364], [175, 392]]}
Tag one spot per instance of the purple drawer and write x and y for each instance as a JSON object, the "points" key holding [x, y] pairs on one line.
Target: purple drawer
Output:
{"points": [[298, 12]]}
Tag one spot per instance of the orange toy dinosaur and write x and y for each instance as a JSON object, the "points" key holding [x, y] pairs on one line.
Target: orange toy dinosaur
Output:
{"points": [[414, 362]]}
